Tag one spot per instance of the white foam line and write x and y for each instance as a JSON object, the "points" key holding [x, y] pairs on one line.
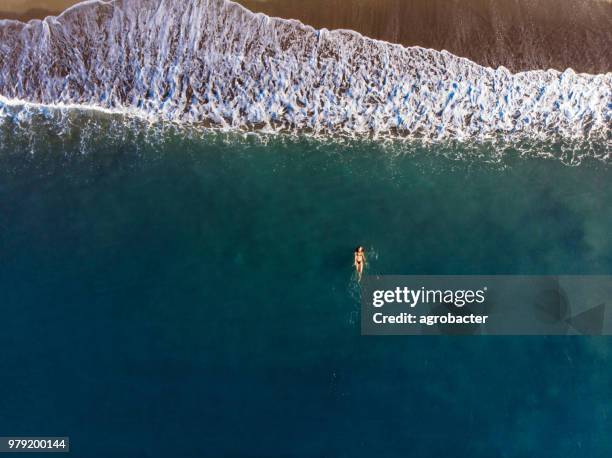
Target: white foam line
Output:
{"points": [[77, 107]]}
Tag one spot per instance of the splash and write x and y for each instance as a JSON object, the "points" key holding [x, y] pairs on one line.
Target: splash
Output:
{"points": [[214, 63]]}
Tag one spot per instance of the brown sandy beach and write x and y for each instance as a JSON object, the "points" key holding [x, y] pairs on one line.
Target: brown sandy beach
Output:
{"points": [[24, 10], [519, 34]]}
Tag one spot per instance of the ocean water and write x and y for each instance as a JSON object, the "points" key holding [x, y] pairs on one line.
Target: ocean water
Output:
{"points": [[176, 294]]}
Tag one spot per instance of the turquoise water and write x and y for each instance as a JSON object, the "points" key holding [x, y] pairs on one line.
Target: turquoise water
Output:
{"points": [[179, 295]]}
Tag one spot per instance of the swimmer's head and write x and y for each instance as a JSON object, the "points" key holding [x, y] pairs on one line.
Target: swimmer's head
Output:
{"points": [[359, 249]]}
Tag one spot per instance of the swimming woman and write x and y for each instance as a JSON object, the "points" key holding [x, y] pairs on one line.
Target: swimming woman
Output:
{"points": [[360, 260]]}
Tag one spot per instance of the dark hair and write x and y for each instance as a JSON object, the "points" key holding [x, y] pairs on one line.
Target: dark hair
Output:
{"points": [[359, 248]]}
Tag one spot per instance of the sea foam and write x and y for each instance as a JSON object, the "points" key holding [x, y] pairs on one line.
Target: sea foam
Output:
{"points": [[214, 63]]}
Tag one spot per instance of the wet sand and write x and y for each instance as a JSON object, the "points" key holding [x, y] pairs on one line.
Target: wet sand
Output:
{"points": [[518, 34], [24, 10]]}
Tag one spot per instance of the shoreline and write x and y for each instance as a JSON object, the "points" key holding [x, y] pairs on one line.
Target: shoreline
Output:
{"points": [[421, 93], [521, 35]]}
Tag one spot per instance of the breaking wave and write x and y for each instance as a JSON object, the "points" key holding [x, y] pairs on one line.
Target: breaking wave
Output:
{"points": [[214, 63]]}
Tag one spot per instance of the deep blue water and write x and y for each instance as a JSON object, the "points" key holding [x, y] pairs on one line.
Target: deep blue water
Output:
{"points": [[193, 297]]}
